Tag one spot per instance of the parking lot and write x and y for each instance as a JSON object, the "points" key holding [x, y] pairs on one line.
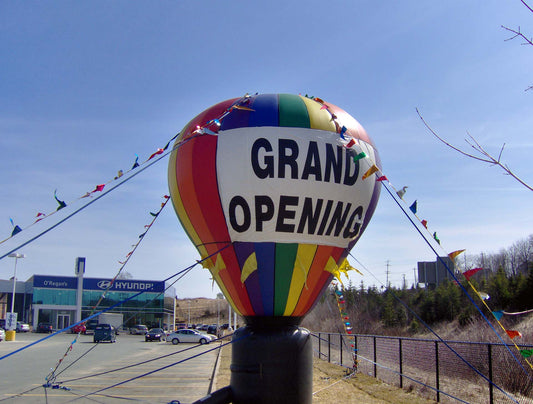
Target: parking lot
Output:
{"points": [[128, 369]]}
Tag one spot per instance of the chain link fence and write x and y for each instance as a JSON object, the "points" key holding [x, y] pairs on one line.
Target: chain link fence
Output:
{"points": [[449, 371]]}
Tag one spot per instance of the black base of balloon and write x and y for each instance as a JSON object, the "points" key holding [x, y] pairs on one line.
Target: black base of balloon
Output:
{"points": [[272, 362]]}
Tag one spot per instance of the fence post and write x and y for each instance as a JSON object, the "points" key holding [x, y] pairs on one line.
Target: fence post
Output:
{"points": [[437, 369], [491, 387], [340, 348], [319, 345], [354, 353], [375, 359], [329, 347], [401, 363]]}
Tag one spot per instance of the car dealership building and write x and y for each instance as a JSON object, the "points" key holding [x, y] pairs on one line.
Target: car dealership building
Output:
{"points": [[64, 300]]}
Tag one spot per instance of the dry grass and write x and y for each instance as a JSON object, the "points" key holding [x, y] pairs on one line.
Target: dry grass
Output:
{"points": [[331, 384]]}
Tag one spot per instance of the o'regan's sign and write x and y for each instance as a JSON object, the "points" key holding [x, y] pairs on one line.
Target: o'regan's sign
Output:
{"points": [[278, 184]]}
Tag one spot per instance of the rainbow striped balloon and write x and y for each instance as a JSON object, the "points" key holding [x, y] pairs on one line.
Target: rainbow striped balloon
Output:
{"points": [[270, 190]]}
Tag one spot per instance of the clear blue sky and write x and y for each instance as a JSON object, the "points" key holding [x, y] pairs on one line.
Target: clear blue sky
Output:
{"points": [[86, 85]]}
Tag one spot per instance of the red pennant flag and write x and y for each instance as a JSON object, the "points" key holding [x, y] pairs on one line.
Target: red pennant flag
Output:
{"points": [[99, 188], [471, 272], [382, 178], [425, 223], [513, 334], [159, 151], [350, 143]]}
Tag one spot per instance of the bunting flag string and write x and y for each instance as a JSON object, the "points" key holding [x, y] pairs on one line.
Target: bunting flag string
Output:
{"points": [[210, 128], [484, 297], [52, 375], [347, 325]]}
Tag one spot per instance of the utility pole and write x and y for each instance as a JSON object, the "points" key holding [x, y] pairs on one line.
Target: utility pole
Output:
{"points": [[414, 273], [387, 272]]}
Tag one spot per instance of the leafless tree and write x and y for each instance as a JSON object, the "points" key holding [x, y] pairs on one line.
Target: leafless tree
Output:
{"points": [[479, 152], [517, 33]]}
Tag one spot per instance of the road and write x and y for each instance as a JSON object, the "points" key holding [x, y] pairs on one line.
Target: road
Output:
{"points": [[162, 381]]}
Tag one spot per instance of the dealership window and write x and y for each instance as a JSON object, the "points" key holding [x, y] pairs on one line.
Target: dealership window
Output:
{"points": [[60, 297]]}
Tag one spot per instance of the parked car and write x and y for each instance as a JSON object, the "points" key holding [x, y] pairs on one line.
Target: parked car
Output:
{"points": [[90, 326], [104, 332], [187, 335], [212, 329], [45, 327], [80, 328], [2, 334], [203, 327], [155, 334], [139, 329], [22, 327]]}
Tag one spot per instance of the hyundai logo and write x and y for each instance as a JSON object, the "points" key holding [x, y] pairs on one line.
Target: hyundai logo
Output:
{"points": [[104, 284]]}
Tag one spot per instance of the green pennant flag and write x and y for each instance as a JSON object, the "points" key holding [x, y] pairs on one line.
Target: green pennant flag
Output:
{"points": [[526, 353]]}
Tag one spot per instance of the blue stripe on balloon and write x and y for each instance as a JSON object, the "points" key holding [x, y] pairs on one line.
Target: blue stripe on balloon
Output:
{"points": [[266, 111], [265, 254], [243, 251]]}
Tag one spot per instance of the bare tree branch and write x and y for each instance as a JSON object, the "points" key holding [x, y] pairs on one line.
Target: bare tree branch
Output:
{"points": [[487, 157]]}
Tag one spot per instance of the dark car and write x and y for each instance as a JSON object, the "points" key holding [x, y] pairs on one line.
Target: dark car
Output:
{"points": [[104, 332], [45, 327], [90, 326], [212, 329], [154, 334]]}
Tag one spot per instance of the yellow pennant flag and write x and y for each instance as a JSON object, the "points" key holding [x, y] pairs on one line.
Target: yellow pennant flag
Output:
{"points": [[345, 267], [454, 254], [370, 171]]}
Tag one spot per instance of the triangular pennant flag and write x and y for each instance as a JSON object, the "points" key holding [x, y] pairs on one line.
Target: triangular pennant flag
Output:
{"points": [[242, 108], [331, 267], [484, 296], [402, 192], [370, 171], [513, 334], [498, 314], [454, 254], [16, 230], [413, 207], [470, 272], [99, 188], [12, 222], [382, 178], [436, 238], [154, 214], [360, 156], [526, 353], [425, 223], [119, 174], [62, 204], [136, 163], [40, 216], [350, 143], [219, 265], [343, 131], [142, 235], [159, 151]]}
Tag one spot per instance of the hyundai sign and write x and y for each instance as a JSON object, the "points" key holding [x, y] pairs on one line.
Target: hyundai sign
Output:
{"points": [[118, 285]]}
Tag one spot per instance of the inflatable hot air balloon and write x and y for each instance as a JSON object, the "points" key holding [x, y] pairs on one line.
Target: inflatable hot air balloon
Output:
{"points": [[270, 190], [273, 190]]}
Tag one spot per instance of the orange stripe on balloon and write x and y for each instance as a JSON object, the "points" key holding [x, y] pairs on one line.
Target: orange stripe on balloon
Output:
{"points": [[313, 276]]}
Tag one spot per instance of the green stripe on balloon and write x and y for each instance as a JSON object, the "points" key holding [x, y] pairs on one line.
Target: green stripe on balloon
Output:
{"points": [[285, 256], [293, 112]]}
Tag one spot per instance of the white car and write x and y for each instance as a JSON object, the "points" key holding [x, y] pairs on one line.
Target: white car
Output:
{"points": [[22, 327], [2, 334], [189, 336]]}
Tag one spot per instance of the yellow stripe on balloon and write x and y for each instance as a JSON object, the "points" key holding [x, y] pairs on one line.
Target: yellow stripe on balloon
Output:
{"points": [[302, 264], [250, 265], [318, 118]]}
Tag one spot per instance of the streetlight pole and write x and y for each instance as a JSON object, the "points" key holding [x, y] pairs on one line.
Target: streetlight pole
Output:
{"points": [[12, 323]]}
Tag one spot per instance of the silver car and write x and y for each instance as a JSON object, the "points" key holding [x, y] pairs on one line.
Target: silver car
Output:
{"points": [[2, 334], [189, 336]]}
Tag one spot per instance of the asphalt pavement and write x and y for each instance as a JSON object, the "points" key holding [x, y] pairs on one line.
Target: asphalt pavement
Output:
{"points": [[131, 369]]}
